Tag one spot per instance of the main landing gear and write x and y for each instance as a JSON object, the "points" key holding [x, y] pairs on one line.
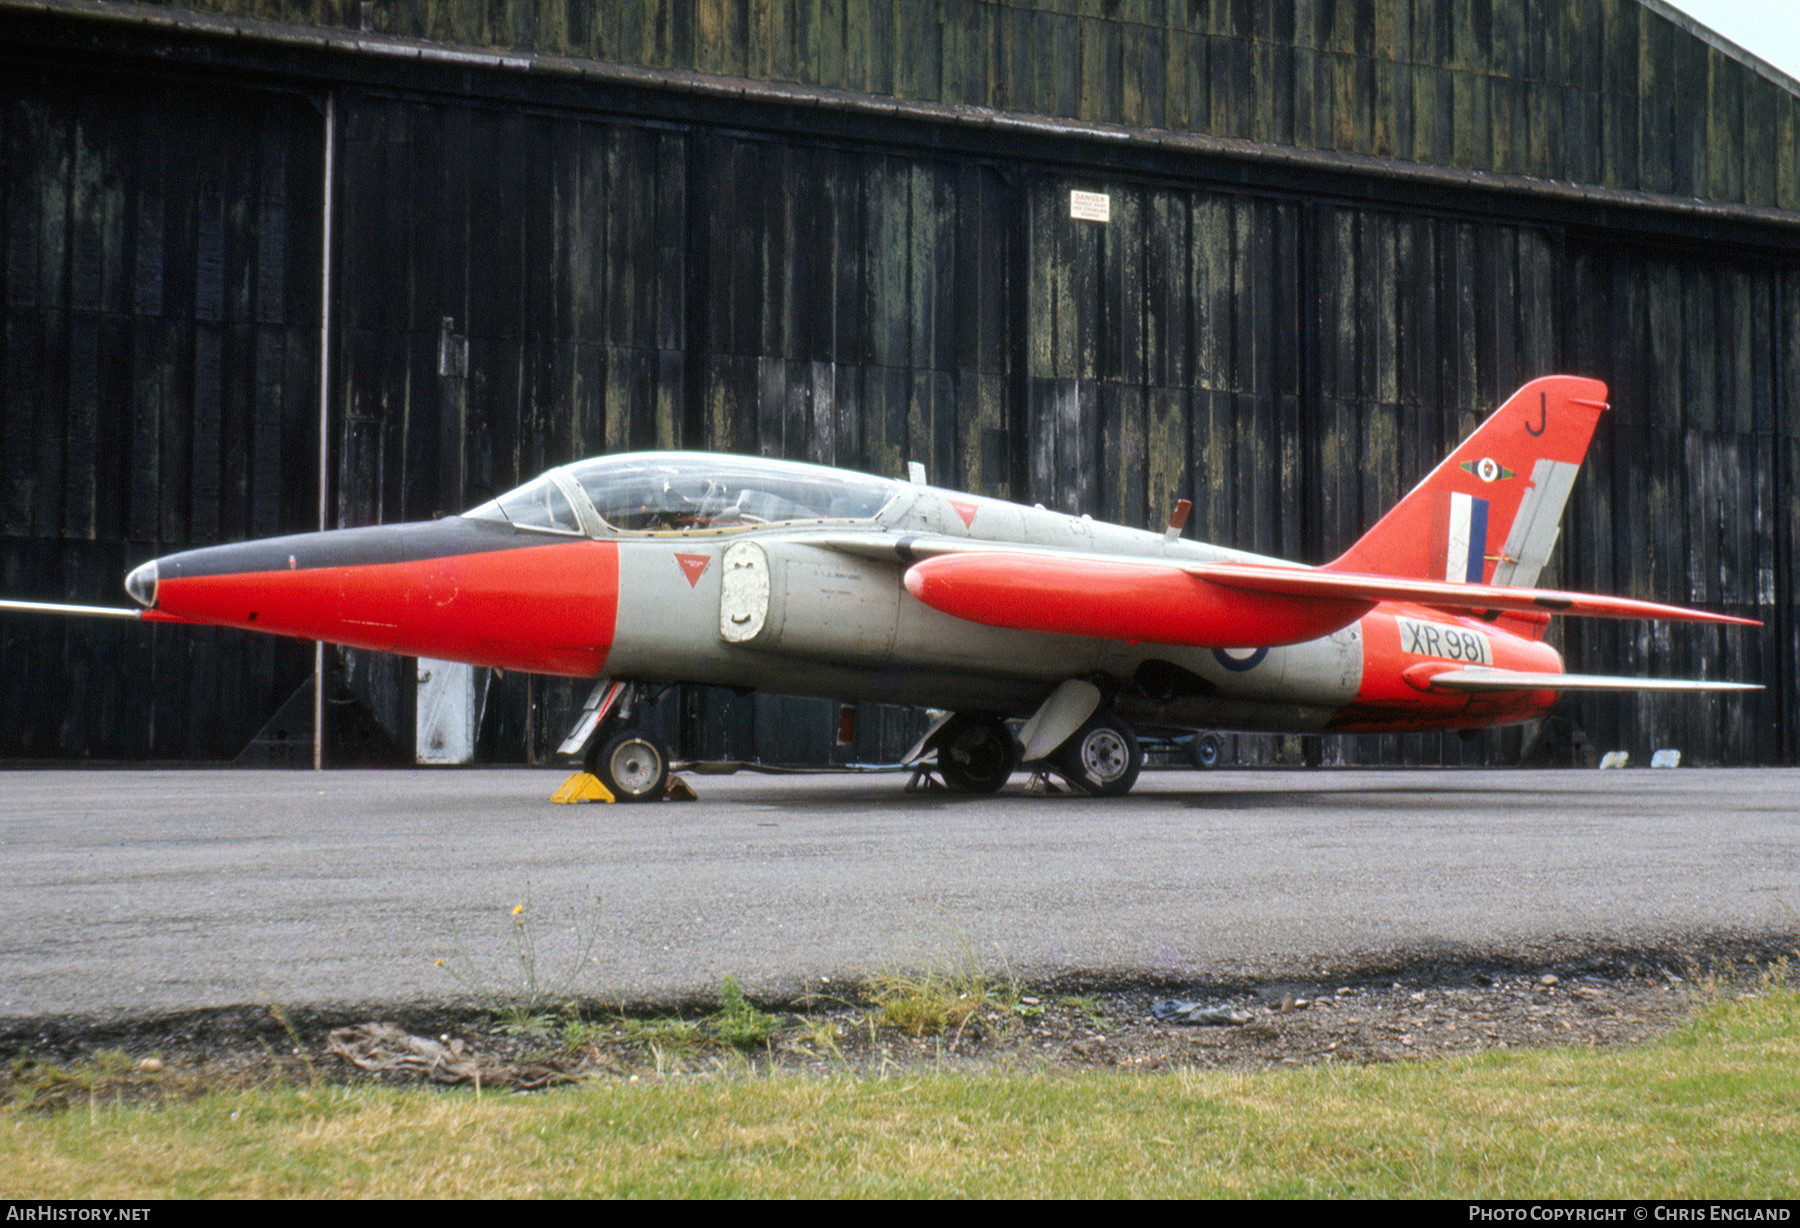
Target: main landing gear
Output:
{"points": [[977, 753], [1072, 736], [1103, 757]]}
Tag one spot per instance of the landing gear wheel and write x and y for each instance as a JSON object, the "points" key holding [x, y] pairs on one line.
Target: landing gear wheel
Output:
{"points": [[1103, 757], [631, 764], [976, 753], [1205, 751]]}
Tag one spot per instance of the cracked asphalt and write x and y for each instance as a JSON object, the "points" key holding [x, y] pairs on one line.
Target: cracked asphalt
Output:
{"points": [[131, 891]]}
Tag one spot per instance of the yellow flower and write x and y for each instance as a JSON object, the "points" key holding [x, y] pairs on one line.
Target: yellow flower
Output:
{"points": [[517, 909]]}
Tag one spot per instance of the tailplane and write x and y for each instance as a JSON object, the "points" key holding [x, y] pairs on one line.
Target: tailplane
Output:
{"points": [[1489, 514]]}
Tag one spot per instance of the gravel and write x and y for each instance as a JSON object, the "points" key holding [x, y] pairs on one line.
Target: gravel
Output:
{"points": [[1392, 1010]]}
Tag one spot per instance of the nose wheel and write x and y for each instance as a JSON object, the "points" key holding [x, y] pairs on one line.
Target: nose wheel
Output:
{"points": [[631, 764]]}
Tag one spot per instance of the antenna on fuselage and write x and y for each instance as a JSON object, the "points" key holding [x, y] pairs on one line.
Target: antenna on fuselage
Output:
{"points": [[1177, 519], [915, 473]]}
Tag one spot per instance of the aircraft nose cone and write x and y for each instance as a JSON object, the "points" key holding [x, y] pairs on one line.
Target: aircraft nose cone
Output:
{"points": [[141, 584]]}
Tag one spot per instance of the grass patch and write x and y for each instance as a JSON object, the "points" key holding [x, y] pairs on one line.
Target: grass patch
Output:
{"points": [[941, 994], [1703, 1113], [672, 1041]]}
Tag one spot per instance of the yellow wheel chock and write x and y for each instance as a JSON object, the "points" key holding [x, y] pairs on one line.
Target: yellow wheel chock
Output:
{"points": [[582, 787]]}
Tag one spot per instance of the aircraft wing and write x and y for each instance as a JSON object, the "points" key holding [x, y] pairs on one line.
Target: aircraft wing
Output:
{"points": [[1480, 678], [1305, 582], [1189, 602]]}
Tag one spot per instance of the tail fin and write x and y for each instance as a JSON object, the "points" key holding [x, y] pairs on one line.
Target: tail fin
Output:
{"points": [[1489, 513]]}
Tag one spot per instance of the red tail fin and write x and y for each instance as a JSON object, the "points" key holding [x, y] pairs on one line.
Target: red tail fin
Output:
{"points": [[1489, 513]]}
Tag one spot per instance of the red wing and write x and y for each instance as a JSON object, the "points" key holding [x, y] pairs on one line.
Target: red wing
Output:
{"points": [[1212, 605], [1354, 586]]}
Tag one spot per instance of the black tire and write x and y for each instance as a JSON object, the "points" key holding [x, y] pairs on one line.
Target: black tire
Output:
{"points": [[1205, 751], [631, 764], [1103, 757], [976, 753]]}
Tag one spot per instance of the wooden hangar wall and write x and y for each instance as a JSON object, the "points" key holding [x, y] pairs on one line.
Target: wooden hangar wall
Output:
{"points": [[1621, 93], [524, 280], [160, 368]]}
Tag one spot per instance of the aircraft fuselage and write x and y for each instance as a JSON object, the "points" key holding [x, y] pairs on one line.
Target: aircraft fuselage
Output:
{"points": [[819, 607]]}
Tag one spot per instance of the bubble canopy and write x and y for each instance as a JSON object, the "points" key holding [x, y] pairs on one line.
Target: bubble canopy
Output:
{"points": [[686, 492]]}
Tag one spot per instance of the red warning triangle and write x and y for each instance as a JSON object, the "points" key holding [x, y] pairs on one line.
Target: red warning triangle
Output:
{"points": [[966, 511], [693, 566]]}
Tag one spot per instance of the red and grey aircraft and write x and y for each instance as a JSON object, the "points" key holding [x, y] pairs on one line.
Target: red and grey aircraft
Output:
{"points": [[656, 568]]}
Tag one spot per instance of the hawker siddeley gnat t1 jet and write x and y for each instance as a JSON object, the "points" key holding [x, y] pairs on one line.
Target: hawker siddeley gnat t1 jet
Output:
{"points": [[800, 580]]}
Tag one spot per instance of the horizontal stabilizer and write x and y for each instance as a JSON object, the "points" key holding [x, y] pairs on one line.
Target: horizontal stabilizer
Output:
{"points": [[1353, 586], [1477, 678]]}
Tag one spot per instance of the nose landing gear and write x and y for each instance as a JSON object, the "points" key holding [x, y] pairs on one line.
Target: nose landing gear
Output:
{"points": [[632, 765], [619, 763]]}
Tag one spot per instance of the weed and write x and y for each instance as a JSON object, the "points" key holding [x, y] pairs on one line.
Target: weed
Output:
{"points": [[1079, 1002], [738, 1023], [522, 998], [523, 1023], [669, 1034], [943, 995], [281, 1016], [576, 1033], [821, 1036], [737, 1026], [46, 1087]]}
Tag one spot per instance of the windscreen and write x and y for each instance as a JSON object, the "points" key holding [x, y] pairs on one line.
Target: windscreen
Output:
{"points": [[536, 505], [674, 492]]}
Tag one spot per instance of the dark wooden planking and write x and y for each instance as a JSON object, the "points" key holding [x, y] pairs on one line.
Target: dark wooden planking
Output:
{"points": [[1168, 325], [983, 216], [887, 204], [1761, 154], [1689, 170], [1119, 349], [1229, 73], [1726, 83], [1123, 459], [1487, 84], [1100, 78]]}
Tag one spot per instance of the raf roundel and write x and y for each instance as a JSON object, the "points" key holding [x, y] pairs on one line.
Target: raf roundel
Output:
{"points": [[1487, 469]]}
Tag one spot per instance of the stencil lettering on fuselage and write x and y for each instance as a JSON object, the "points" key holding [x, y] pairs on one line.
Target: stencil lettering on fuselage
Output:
{"points": [[1423, 639]]}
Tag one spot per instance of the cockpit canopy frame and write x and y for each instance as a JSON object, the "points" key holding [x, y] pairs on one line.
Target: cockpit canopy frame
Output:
{"points": [[685, 494]]}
